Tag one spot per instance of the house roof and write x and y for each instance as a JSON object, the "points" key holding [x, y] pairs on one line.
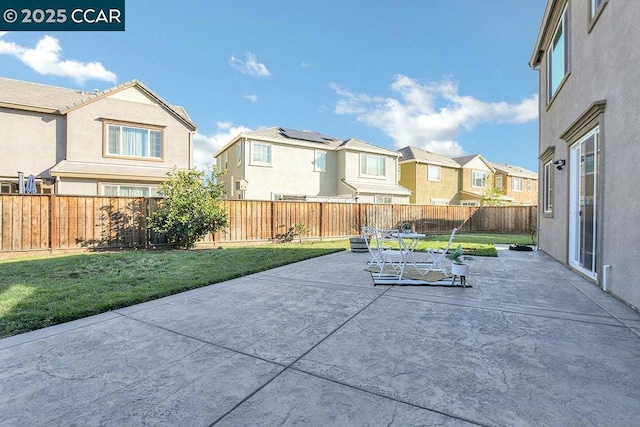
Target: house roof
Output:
{"points": [[422, 156], [361, 145], [375, 188], [87, 169], [465, 160], [514, 170], [551, 14], [21, 95], [307, 138]]}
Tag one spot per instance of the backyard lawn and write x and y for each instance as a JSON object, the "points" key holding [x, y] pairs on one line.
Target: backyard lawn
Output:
{"points": [[36, 292]]}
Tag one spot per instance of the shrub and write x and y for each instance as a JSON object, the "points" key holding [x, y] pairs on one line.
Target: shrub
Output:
{"points": [[191, 207]]}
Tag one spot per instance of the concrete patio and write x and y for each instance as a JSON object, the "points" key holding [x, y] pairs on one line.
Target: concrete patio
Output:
{"points": [[315, 343]]}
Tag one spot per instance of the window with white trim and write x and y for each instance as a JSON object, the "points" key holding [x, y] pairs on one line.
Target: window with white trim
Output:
{"points": [[478, 179], [372, 165], [516, 184], [132, 141], [320, 164], [499, 183], [470, 203], [383, 199], [439, 202], [260, 153], [239, 153], [127, 190], [547, 186], [433, 172], [558, 64]]}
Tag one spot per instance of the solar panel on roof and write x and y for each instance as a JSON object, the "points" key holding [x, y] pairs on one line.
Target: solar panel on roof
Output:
{"points": [[306, 135]]}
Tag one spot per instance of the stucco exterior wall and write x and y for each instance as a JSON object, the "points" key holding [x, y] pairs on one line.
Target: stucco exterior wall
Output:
{"points": [[77, 186], [291, 172], [31, 142], [603, 65], [86, 132]]}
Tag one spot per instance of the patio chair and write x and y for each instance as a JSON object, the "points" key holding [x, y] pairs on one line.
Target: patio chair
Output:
{"points": [[387, 254], [436, 257]]}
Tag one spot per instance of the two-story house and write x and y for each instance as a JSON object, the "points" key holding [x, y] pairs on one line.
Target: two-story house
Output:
{"points": [[121, 141], [587, 55], [518, 185], [286, 164], [432, 178], [435, 179]]}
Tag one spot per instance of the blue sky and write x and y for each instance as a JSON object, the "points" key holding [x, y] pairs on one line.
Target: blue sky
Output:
{"points": [[449, 76]]}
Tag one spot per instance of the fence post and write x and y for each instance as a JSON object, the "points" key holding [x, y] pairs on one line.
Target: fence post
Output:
{"points": [[273, 220], [54, 239]]}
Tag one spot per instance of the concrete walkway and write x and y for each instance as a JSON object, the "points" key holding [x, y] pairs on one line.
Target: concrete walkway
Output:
{"points": [[315, 343]]}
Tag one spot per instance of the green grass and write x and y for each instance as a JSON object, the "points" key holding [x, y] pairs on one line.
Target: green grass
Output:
{"points": [[36, 292]]}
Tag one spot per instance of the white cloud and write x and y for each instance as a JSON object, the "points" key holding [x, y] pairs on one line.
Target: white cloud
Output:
{"points": [[252, 98], [204, 147], [45, 58], [305, 65], [430, 116], [250, 67]]}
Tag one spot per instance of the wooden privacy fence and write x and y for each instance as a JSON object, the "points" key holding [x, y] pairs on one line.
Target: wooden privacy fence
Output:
{"points": [[49, 222]]}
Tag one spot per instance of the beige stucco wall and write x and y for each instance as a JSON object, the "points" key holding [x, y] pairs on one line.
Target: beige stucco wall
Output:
{"points": [[86, 132], [31, 142], [604, 65], [77, 186]]}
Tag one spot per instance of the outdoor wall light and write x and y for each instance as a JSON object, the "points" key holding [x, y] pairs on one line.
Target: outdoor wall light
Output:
{"points": [[560, 164]]}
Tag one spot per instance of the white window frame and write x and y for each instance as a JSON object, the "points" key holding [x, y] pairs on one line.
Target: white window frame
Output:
{"points": [[320, 161], [547, 187], [434, 173], [499, 184], [377, 170], [239, 153], [151, 151], [474, 179], [516, 184], [561, 28], [152, 190], [383, 199], [439, 202], [257, 161]]}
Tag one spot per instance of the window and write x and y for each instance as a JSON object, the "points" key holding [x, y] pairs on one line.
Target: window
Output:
{"points": [[470, 203], [134, 141], [226, 160], [113, 190], [558, 63], [239, 153], [516, 184], [547, 182], [499, 183], [371, 165], [595, 5], [433, 173], [478, 179], [321, 161], [260, 153], [529, 185], [440, 202], [383, 199]]}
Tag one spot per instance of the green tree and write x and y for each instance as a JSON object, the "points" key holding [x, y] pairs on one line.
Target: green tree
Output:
{"points": [[492, 197], [190, 208]]}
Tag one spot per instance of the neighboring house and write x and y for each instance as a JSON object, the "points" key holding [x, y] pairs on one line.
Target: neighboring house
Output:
{"points": [[432, 178], [286, 164], [121, 141], [587, 57], [519, 185], [435, 179], [476, 177]]}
